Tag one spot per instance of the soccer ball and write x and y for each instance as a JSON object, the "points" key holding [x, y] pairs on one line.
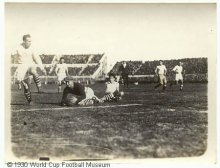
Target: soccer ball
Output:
{"points": [[71, 100], [122, 93]]}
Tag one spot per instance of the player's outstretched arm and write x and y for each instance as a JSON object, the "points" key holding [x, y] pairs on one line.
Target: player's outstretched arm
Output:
{"points": [[38, 61]]}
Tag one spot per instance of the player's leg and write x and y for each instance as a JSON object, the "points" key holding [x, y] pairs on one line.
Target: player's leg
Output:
{"points": [[164, 82], [86, 102], [126, 78], [89, 99], [20, 74], [181, 84], [27, 92], [117, 95], [122, 80], [108, 97], [59, 82], [160, 82], [59, 86], [36, 78], [91, 95], [19, 85], [176, 82]]}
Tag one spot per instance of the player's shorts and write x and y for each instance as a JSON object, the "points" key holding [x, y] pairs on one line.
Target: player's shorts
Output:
{"points": [[61, 76], [89, 93], [162, 79], [89, 97], [23, 71], [178, 77]]}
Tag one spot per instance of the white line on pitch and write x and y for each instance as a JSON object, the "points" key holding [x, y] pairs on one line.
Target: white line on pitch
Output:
{"points": [[85, 107]]}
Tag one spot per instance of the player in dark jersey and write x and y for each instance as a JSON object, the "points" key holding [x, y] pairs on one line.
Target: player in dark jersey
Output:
{"points": [[82, 95]]}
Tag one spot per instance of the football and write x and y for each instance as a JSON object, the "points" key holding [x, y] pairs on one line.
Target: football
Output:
{"points": [[122, 93], [71, 100]]}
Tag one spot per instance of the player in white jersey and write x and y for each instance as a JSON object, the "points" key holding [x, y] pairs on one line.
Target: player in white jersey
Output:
{"points": [[178, 70], [61, 72], [28, 62], [161, 71], [112, 90]]}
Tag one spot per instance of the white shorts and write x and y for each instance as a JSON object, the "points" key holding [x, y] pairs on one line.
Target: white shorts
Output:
{"points": [[61, 76], [23, 71], [89, 93], [178, 77]]}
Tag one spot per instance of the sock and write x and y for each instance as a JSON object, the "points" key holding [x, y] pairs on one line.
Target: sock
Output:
{"points": [[37, 81], [108, 97]]}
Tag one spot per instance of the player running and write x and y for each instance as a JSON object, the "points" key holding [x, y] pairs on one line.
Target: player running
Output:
{"points": [[161, 71], [28, 62], [62, 72], [77, 94], [112, 90], [178, 70]]}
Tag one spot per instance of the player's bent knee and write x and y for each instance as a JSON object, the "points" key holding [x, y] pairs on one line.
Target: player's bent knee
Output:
{"points": [[34, 72]]}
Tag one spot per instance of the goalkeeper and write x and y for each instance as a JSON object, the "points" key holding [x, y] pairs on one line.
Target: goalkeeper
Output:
{"points": [[77, 94]]}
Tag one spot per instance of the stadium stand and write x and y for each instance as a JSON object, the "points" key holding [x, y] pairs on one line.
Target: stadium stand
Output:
{"points": [[74, 71], [88, 66], [89, 70], [94, 66], [195, 68], [46, 59], [76, 59], [191, 65], [96, 58]]}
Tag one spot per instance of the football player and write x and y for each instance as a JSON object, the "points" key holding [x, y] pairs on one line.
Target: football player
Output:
{"points": [[112, 90], [79, 94], [160, 72], [28, 61], [178, 70], [62, 72]]}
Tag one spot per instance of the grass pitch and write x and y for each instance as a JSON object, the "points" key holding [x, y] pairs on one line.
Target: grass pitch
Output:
{"points": [[144, 124]]}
